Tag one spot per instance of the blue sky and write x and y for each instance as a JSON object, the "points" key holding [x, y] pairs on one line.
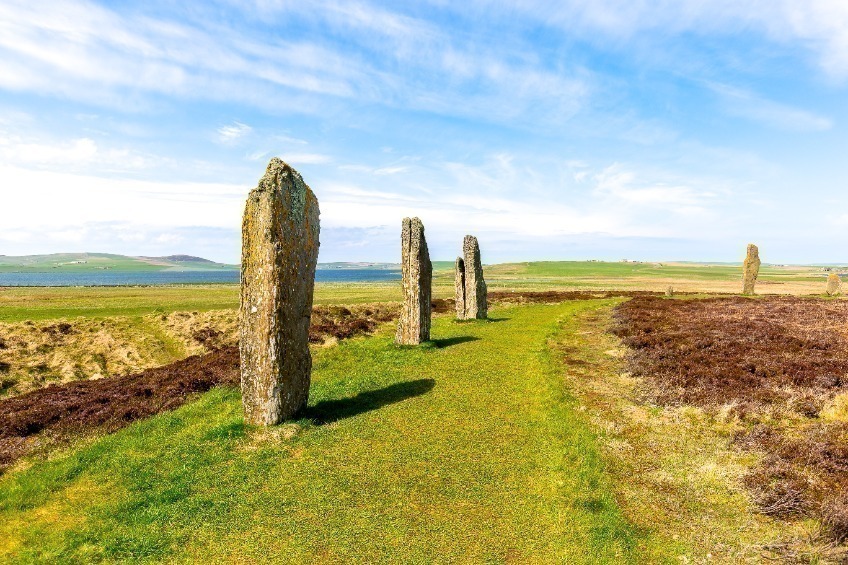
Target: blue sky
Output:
{"points": [[606, 129]]}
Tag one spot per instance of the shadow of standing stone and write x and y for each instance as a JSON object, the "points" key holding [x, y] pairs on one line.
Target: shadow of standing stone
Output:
{"points": [[329, 411], [417, 278], [279, 254]]}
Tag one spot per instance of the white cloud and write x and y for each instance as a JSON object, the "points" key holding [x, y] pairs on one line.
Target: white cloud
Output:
{"points": [[45, 198], [233, 132], [73, 154], [739, 102], [820, 26], [390, 170], [114, 59], [500, 198]]}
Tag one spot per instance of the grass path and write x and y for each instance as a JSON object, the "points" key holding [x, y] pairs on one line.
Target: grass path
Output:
{"points": [[469, 450]]}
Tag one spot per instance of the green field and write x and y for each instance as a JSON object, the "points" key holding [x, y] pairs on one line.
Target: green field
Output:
{"points": [[469, 449], [33, 303], [93, 262], [647, 276], [43, 303]]}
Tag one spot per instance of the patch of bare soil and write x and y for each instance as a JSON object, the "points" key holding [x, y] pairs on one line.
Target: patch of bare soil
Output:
{"points": [[780, 365], [342, 322]]}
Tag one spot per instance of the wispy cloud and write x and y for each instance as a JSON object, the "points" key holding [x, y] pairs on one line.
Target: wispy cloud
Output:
{"points": [[104, 56], [233, 132], [745, 104], [62, 198], [73, 154], [819, 26]]}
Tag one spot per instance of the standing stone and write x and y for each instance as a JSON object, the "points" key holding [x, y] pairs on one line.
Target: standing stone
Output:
{"points": [[417, 278], [475, 286], [459, 288], [278, 257], [833, 284], [750, 269]]}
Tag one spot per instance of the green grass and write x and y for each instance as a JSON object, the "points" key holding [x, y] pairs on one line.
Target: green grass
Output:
{"points": [[687, 271], [42, 303], [466, 449]]}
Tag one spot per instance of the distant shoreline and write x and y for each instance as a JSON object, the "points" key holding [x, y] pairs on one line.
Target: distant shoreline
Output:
{"points": [[115, 278]]}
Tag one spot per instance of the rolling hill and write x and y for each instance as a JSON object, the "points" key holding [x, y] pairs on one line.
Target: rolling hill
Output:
{"points": [[87, 262]]}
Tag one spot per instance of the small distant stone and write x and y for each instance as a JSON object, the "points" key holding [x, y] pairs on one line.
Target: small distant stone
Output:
{"points": [[750, 269], [833, 284]]}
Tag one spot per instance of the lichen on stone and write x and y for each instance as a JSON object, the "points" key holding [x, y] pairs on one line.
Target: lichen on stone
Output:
{"points": [[750, 269], [416, 280], [280, 232]]}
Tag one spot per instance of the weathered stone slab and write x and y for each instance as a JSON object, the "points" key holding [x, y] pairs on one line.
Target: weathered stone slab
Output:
{"points": [[833, 284], [750, 269], [279, 253], [475, 286], [417, 278], [459, 288]]}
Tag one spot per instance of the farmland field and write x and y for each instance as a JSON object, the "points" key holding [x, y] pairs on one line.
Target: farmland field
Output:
{"points": [[28, 303]]}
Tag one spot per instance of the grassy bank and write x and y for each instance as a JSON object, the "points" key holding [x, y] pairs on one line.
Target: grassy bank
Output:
{"points": [[675, 469], [468, 449]]}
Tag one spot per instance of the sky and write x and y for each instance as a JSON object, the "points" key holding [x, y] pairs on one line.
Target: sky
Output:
{"points": [[579, 129]]}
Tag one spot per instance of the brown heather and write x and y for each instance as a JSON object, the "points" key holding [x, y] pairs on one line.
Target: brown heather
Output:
{"points": [[738, 351], [776, 363]]}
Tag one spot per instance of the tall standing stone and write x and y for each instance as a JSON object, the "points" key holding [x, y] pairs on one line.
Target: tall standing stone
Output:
{"points": [[417, 278], [475, 286], [459, 288], [278, 258], [750, 269], [833, 284]]}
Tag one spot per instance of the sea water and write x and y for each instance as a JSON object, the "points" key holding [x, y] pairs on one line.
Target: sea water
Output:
{"points": [[146, 278]]}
